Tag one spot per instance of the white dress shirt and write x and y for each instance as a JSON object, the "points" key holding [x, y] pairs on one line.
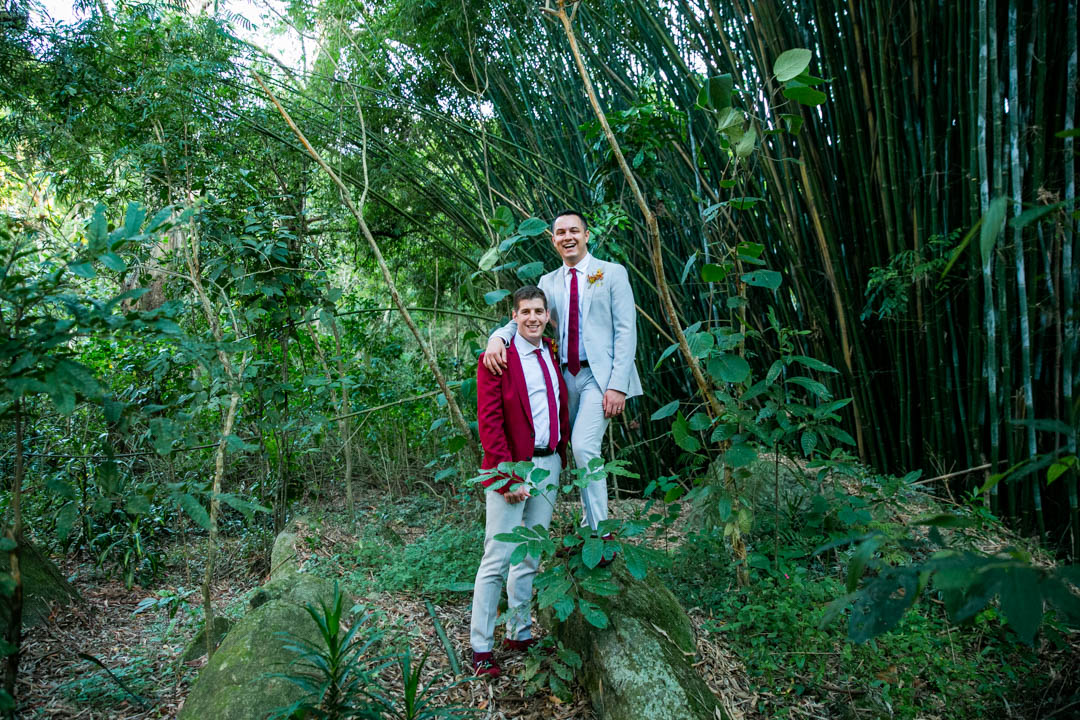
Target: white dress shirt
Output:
{"points": [[534, 383], [564, 312]]}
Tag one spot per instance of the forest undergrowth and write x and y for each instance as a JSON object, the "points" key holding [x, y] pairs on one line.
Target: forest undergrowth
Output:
{"points": [[762, 648]]}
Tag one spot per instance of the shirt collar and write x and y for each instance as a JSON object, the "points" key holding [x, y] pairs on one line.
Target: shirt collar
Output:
{"points": [[524, 347], [582, 267]]}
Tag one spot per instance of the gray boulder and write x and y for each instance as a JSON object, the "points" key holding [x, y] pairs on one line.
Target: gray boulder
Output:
{"points": [[639, 666], [237, 683]]}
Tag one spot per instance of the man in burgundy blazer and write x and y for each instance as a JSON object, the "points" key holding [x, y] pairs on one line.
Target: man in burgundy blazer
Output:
{"points": [[523, 415]]}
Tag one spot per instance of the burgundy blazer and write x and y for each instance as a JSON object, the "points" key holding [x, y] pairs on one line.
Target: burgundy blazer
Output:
{"points": [[504, 415]]}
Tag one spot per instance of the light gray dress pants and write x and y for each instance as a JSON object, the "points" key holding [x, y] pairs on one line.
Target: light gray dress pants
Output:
{"points": [[502, 517], [588, 425]]}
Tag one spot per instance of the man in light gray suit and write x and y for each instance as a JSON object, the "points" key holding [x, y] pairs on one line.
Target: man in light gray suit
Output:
{"points": [[592, 308]]}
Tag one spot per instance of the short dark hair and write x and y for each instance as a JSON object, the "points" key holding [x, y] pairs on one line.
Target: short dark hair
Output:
{"points": [[571, 211], [529, 292]]}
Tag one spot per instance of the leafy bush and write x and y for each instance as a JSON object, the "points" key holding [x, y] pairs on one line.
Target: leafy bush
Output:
{"points": [[444, 560]]}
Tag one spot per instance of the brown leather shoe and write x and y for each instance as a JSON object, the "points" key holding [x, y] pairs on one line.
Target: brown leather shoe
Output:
{"points": [[484, 665]]}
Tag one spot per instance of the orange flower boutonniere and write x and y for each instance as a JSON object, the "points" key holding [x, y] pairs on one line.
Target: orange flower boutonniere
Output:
{"points": [[595, 277]]}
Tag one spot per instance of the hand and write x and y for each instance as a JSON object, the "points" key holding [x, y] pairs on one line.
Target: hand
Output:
{"points": [[614, 402], [495, 355], [515, 496]]}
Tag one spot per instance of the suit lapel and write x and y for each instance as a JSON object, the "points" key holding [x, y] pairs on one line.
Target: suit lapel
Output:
{"points": [[517, 378], [556, 297], [587, 288]]}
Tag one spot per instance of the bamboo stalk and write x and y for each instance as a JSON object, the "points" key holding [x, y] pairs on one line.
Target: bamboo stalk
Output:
{"points": [[455, 411]]}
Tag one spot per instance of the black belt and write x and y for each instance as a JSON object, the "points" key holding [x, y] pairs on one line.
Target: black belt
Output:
{"points": [[543, 452], [584, 364]]}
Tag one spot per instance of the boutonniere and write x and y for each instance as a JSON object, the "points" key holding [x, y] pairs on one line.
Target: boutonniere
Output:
{"points": [[554, 346], [595, 277]]}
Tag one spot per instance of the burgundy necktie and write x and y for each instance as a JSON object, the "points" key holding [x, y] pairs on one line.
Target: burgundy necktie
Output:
{"points": [[573, 359], [553, 410]]}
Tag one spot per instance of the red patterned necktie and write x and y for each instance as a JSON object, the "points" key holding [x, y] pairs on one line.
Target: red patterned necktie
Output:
{"points": [[573, 359], [553, 410]]}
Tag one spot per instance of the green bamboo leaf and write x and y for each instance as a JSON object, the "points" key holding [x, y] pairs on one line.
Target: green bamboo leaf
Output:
{"points": [[666, 354], [666, 411], [813, 363], [688, 267], [791, 63], [1072, 132], [1029, 216], [991, 227], [1059, 468]]}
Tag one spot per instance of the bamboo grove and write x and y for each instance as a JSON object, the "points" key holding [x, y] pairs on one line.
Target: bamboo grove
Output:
{"points": [[923, 212]]}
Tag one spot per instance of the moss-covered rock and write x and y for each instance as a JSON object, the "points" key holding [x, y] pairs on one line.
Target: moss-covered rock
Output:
{"points": [[639, 666], [238, 682], [197, 647], [44, 586]]}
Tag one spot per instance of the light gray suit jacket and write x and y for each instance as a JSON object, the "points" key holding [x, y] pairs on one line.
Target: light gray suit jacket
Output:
{"points": [[608, 324]]}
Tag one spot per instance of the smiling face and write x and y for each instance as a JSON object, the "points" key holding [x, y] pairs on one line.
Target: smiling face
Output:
{"points": [[571, 238], [531, 316]]}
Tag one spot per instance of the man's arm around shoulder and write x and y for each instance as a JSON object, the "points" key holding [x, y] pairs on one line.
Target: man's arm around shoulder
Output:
{"points": [[489, 418]]}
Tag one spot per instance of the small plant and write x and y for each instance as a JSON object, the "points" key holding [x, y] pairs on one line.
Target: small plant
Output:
{"points": [[418, 700], [336, 674], [340, 674], [550, 666]]}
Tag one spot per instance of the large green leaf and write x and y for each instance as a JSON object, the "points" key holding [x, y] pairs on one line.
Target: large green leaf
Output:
{"points": [[804, 95], [763, 278], [488, 259], [531, 227], [715, 94], [495, 296], [593, 614], [680, 430], [791, 63], [729, 368], [530, 270]]}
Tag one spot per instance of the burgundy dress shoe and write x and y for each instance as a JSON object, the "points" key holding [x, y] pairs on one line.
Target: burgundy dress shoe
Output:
{"points": [[484, 665], [518, 645]]}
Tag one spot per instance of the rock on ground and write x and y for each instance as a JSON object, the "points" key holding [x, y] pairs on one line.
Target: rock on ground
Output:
{"points": [[43, 586], [238, 682], [639, 666]]}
